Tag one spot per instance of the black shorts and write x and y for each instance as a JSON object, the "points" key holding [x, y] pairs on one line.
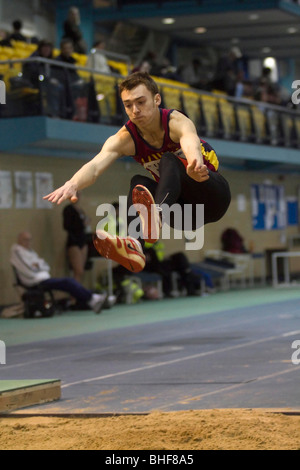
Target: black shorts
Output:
{"points": [[176, 187]]}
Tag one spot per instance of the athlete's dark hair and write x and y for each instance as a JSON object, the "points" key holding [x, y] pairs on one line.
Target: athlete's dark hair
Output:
{"points": [[136, 79]]}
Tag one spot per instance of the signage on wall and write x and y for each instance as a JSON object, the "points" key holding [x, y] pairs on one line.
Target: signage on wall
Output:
{"points": [[269, 208]]}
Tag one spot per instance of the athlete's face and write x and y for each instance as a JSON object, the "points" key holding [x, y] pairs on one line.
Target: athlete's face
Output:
{"points": [[140, 105]]}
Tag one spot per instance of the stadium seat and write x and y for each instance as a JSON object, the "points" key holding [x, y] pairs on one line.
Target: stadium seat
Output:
{"points": [[259, 124], [244, 123], [171, 97], [81, 59], [191, 106], [287, 124], [24, 46], [6, 53], [274, 127], [297, 131], [227, 118], [120, 67], [106, 93], [209, 105]]}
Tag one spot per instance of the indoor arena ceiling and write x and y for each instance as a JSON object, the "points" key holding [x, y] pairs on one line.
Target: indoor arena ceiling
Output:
{"points": [[257, 33]]}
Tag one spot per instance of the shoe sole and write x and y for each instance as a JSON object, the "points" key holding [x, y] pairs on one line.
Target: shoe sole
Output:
{"points": [[109, 247], [142, 196]]}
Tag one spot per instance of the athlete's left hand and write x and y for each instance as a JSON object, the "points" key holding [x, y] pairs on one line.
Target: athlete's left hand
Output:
{"points": [[197, 172]]}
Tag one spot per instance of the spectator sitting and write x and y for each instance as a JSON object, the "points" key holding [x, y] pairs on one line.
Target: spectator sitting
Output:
{"points": [[39, 76], [268, 94], [73, 32], [16, 35], [32, 71], [195, 74], [4, 39], [248, 90], [96, 59], [178, 263], [65, 56], [144, 66], [34, 271], [244, 88], [167, 70], [75, 88], [227, 71]]}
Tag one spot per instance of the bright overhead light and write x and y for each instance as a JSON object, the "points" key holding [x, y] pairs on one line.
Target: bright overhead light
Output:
{"points": [[270, 62], [253, 16], [200, 30], [292, 30], [168, 20]]}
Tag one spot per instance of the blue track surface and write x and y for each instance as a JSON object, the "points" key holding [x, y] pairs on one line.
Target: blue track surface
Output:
{"points": [[236, 358]]}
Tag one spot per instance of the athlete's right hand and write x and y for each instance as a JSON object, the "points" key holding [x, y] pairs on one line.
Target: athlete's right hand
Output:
{"points": [[67, 191]]}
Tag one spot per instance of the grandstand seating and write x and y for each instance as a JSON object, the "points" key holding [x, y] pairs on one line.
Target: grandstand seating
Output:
{"points": [[227, 118], [214, 114], [209, 107], [259, 124], [106, 94], [297, 131], [244, 123], [171, 97], [287, 124], [191, 106]]}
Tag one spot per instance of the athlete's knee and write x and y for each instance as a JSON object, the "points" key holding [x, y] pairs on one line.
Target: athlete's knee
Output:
{"points": [[136, 179], [168, 157], [169, 161]]}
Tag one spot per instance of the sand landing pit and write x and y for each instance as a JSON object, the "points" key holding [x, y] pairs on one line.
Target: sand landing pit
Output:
{"points": [[229, 429]]}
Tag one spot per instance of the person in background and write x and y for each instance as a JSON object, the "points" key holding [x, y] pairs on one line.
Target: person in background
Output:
{"points": [[75, 88], [39, 75], [4, 39], [73, 32], [65, 56], [227, 71], [96, 59], [76, 222], [33, 71], [35, 271], [195, 74], [16, 35], [178, 263]]}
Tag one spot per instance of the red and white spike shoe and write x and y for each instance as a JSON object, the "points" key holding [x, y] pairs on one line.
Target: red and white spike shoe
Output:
{"points": [[126, 251], [144, 204]]}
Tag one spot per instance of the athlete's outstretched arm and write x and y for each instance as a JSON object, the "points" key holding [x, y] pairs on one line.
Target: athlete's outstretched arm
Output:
{"points": [[183, 129], [114, 147]]}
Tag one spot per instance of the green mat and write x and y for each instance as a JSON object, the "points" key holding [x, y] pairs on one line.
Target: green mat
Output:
{"points": [[12, 385]]}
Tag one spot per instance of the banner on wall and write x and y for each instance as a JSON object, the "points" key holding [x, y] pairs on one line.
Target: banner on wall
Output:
{"points": [[43, 186], [6, 190], [269, 209], [292, 211], [24, 190]]}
